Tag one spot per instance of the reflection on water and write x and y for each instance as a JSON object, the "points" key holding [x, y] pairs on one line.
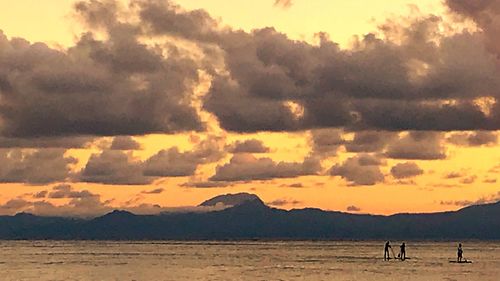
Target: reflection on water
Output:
{"points": [[79, 260]]}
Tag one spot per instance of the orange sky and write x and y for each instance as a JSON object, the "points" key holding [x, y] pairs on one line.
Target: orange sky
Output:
{"points": [[53, 22]]}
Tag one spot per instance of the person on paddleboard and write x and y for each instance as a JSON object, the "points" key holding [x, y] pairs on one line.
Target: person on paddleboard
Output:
{"points": [[402, 252], [460, 253], [386, 250]]}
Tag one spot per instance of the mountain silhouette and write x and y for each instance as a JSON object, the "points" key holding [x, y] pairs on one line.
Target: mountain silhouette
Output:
{"points": [[250, 218], [232, 200]]}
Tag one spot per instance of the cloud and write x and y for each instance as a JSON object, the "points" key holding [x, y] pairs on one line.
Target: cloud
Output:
{"points": [[46, 142], [114, 167], [479, 138], [453, 175], [41, 194], [486, 14], [284, 202], [171, 163], [249, 146], [285, 4], [295, 185], [366, 88], [246, 167], [326, 142], [483, 200], [359, 170], [66, 191], [120, 167], [406, 170], [353, 208], [417, 146], [81, 204], [41, 166], [411, 77], [206, 184], [88, 206], [154, 191], [116, 86], [125, 143], [421, 80], [490, 180], [370, 141], [469, 180]]}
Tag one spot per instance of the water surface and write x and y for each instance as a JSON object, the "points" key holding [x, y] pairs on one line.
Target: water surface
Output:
{"points": [[83, 260]]}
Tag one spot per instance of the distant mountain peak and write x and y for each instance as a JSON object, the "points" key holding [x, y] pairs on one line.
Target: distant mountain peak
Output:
{"points": [[24, 215], [119, 213], [233, 200]]}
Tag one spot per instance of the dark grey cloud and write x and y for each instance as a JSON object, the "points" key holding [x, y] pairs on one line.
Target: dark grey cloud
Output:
{"points": [[418, 146], [116, 86], [370, 141], [46, 142], [486, 14], [365, 88], [125, 143], [423, 81], [326, 142], [114, 167], [164, 17], [119, 167], [246, 167], [171, 163], [478, 138], [249, 146], [377, 84], [362, 169], [34, 167], [406, 170]]}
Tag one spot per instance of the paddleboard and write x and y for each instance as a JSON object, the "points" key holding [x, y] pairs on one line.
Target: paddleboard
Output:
{"points": [[460, 261]]}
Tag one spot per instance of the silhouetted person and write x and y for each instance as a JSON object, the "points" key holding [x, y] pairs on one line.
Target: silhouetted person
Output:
{"points": [[402, 252], [386, 250], [460, 253]]}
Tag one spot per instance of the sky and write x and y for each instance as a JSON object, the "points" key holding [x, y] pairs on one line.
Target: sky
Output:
{"points": [[380, 107]]}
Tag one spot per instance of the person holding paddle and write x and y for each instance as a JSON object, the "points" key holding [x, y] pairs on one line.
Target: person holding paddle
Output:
{"points": [[387, 256], [402, 253], [460, 253]]}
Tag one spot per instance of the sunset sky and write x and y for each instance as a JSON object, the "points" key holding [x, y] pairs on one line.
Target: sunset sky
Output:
{"points": [[381, 106]]}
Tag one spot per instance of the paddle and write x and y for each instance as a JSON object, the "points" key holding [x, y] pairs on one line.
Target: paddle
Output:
{"points": [[393, 253]]}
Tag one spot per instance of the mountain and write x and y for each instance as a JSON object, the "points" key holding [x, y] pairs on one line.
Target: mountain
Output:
{"points": [[250, 218], [232, 200]]}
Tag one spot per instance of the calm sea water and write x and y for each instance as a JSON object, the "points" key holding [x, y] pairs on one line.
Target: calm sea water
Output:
{"points": [[75, 260]]}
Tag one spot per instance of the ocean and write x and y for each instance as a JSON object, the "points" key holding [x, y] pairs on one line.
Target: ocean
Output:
{"points": [[254, 260]]}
